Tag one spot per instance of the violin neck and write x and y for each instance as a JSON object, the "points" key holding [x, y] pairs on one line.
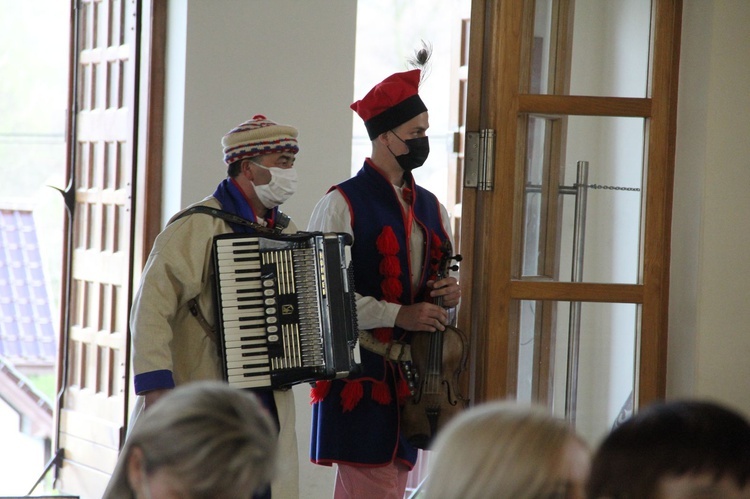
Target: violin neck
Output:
{"points": [[438, 300]]}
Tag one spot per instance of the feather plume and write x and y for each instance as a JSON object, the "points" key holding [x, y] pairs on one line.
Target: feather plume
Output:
{"points": [[421, 60]]}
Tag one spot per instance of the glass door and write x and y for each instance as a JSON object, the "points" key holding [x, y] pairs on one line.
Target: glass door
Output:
{"points": [[569, 250]]}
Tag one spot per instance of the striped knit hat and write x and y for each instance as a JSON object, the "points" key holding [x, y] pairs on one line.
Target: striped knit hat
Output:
{"points": [[257, 137]]}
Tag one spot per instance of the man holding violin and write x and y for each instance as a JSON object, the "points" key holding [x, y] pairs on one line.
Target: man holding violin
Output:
{"points": [[400, 231]]}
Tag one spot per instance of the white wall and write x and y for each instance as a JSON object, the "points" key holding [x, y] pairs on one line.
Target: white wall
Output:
{"points": [[290, 60], [709, 349]]}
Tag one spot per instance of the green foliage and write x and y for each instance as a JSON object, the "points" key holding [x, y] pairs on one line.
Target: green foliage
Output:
{"points": [[47, 384]]}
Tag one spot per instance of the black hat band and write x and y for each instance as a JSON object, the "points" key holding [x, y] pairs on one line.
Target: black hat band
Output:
{"points": [[395, 116]]}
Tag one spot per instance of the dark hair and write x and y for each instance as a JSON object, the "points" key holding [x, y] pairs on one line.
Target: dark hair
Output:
{"points": [[673, 438], [235, 168]]}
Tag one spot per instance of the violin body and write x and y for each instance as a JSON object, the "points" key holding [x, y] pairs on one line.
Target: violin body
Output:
{"points": [[434, 373], [438, 361]]}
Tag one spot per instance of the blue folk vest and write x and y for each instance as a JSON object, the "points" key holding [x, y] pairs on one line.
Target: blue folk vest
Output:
{"points": [[356, 420]]}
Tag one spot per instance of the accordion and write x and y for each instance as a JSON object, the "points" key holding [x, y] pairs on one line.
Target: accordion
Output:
{"points": [[286, 308]]}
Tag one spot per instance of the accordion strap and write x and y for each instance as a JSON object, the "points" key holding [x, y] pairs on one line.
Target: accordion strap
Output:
{"points": [[282, 222], [282, 219], [196, 312]]}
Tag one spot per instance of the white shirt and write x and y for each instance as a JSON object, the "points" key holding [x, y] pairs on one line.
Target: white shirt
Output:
{"points": [[331, 214]]}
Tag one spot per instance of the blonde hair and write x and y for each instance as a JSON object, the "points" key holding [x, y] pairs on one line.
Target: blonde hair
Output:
{"points": [[501, 450], [217, 440]]}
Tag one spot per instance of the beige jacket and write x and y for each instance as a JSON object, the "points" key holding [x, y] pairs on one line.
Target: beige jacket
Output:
{"points": [[167, 337]]}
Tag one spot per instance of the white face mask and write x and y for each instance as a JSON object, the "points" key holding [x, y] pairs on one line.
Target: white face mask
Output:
{"points": [[281, 187]]}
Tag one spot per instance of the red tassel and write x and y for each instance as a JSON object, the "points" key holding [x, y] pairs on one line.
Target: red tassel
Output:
{"points": [[386, 242], [402, 390], [383, 334], [392, 289], [351, 395], [436, 254], [380, 393], [390, 266], [436, 245], [319, 391]]}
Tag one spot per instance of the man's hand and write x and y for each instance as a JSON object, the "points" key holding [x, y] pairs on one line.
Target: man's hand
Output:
{"points": [[422, 317], [153, 396], [448, 288]]}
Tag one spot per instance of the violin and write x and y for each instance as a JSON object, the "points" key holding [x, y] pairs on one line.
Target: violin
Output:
{"points": [[434, 373]]}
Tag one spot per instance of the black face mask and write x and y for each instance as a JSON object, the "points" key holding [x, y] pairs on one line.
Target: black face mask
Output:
{"points": [[419, 149]]}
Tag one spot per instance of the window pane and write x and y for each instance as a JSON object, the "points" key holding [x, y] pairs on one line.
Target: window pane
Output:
{"points": [[610, 48], [579, 359], [605, 206]]}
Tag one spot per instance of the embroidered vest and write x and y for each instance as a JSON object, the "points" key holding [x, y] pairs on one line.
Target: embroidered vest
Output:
{"points": [[381, 252]]}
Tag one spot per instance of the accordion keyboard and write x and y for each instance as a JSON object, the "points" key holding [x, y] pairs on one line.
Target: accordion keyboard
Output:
{"points": [[274, 312]]}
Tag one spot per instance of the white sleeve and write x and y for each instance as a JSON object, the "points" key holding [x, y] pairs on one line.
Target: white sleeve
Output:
{"points": [[446, 219], [453, 273], [331, 214]]}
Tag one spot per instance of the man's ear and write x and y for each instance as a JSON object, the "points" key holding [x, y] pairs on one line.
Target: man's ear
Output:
{"points": [[246, 169], [384, 138], [135, 467]]}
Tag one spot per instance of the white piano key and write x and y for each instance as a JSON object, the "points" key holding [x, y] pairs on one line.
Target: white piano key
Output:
{"points": [[232, 266], [229, 254], [244, 335], [258, 382], [255, 350], [229, 244], [244, 371], [244, 325], [247, 368], [244, 332], [242, 302], [235, 355], [251, 280], [237, 315], [239, 289], [250, 336], [238, 344]]}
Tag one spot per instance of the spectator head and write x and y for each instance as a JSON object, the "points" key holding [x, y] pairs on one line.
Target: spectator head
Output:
{"points": [[505, 450], [204, 439], [680, 449]]}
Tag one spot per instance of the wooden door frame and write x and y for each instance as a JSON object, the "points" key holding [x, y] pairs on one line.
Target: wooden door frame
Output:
{"points": [[494, 102], [149, 156]]}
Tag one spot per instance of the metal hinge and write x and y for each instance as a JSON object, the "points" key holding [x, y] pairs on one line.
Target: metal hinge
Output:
{"points": [[479, 160]]}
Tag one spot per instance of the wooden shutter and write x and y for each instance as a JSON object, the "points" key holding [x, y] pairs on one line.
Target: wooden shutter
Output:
{"points": [[94, 358]]}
